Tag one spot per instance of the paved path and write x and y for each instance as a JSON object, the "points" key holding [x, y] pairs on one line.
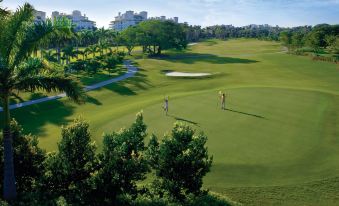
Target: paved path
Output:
{"points": [[131, 70]]}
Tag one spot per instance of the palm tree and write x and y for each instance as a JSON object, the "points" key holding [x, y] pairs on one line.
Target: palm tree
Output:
{"points": [[87, 51], [68, 53], [49, 55], [58, 39], [93, 49], [19, 71], [102, 47]]}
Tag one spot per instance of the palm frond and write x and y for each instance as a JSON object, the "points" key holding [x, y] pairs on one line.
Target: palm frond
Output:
{"points": [[31, 67], [13, 29], [35, 34], [53, 83]]}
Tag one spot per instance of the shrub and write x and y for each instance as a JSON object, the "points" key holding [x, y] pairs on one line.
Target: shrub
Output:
{"points": [[68, 172], [28, 159], [182, 162], [122, 163]]}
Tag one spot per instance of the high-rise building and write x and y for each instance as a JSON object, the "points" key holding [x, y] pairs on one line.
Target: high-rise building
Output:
{"points": [[39, 16], [129, 18], [80, 21]]}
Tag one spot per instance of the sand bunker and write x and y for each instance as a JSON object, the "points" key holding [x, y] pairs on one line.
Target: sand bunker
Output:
{"points": [[186, 74], [192, 44]]}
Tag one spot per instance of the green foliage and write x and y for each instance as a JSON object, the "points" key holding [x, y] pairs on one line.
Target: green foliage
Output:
{"points": [[122, 163], [129, 38], [69, 171], [155, 36], [182, 162], [28, 159], [286, 38]]}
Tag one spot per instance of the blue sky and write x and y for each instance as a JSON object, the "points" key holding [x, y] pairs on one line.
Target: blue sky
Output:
{"points": [[201, 12]]}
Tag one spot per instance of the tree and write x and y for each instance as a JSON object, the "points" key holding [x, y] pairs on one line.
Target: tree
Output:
{"points": [[122, 163], [68, 53], [68, 172], [183, 161], [286, 38], [28, 159], [129, 37], [3, 11], [297, 40], [19, 36], [59, 38], [93, 49], [156, 35]]}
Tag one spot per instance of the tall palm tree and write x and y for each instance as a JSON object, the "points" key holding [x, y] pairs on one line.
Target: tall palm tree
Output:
{"points": [[19, 71], [59, 39]]}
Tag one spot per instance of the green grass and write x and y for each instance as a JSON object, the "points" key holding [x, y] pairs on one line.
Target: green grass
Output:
{"points": [[276, 145]]}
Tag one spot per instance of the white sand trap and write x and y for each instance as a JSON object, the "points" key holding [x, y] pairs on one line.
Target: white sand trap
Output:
{"points": [[192, 44], [186, 74]]}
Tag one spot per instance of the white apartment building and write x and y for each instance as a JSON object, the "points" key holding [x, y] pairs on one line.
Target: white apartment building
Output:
{"points": [[39, 16], [163, 18], [80, 21], [123, 21]]}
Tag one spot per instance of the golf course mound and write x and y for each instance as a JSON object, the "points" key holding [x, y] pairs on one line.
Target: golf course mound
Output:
{"points": [[187, 74]]}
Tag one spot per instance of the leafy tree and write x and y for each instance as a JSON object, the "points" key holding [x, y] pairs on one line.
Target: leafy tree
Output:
{"points": [[297, 40], [155, 36], [111, 62], [286, 38], [68, 172], [19, 36], [129, 37], [183, 161], [28, 159], [122, 163], [316, 40]]}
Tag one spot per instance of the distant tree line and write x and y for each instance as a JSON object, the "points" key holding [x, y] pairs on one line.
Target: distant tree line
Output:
{"points": [[265, 32], [319, 37]]}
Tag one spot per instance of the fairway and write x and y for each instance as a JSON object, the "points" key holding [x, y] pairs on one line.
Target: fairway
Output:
{"points": [[280, 130]]}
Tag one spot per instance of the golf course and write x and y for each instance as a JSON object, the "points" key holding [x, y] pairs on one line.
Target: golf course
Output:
{"points": [[277, 142]]}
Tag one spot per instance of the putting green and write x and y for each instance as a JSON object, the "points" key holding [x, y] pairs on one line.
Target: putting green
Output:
{"points": [[268, 136]]}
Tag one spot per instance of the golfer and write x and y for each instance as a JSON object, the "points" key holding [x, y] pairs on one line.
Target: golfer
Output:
{"points": [[223, 101], [166, 104]]}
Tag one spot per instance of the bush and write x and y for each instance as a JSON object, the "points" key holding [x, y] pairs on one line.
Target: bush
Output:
{"points": [[76, 66], [92, 66], [28, 159], [68, 172], [182, 161], [122, 163]]}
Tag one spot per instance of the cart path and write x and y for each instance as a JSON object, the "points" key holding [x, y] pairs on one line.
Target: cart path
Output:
{"points": [[131, 70]]}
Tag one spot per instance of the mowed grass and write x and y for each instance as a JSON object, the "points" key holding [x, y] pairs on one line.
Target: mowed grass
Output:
{"points": [[276, 144]]}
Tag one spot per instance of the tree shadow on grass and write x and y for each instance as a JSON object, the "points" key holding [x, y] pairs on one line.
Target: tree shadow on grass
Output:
{"points": [[33, 118], [184, 120], [92, 100], [125, 87], [121, 89], [191, 58], [253, 115]]}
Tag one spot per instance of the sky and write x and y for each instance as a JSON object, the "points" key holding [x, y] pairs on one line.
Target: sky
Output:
{"points": [[287, 13]]}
